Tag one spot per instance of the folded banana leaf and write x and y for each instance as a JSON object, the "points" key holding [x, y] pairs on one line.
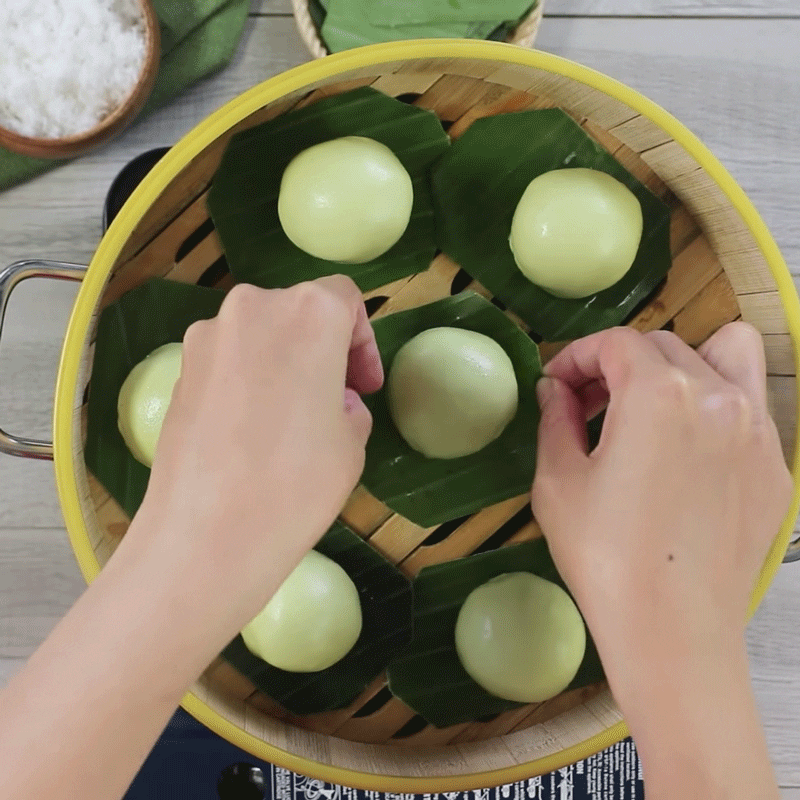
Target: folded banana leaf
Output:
{"points": [[502, 32], [318, 10], [387, 609], [422, 12], [346, 26], [477, 185], [243, 201], [428, 676], [429, 491], [156, 313]]}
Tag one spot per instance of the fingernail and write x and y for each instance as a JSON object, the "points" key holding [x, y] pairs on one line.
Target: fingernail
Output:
{"points": [[544, 389]]}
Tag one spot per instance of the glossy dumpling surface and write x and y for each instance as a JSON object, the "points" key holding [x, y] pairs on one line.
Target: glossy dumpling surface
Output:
{"points": [[451, 392], [576, 231], [144, 399], [312, 621], [520, 637], [347, 200]]}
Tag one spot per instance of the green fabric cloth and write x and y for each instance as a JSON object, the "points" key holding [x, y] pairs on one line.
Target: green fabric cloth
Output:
{"points": [[199, 37]]}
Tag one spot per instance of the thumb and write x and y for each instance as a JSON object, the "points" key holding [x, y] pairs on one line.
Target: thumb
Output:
{"points": [[358, 415], [562, 444]]}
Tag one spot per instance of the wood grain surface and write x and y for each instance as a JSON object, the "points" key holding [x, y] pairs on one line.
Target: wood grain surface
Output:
{"points": [[727, 68]]}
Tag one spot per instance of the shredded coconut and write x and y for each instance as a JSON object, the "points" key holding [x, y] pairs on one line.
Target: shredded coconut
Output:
{"points": [[66, 65]]}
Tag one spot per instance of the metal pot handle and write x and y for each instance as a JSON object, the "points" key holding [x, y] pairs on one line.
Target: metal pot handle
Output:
{"points": [[9, 278]]}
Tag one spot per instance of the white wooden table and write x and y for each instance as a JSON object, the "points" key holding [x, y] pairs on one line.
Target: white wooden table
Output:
{"points": [[729, 69]]}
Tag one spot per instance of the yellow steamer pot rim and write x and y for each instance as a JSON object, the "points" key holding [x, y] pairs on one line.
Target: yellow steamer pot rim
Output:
{"points": [[192, 145]]}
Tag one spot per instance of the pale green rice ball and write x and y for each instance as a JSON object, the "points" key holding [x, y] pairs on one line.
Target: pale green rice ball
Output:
{"points": [[520, 637], [576, 231], [311, 622], [451, 392], [144, 399], [347, 200]]}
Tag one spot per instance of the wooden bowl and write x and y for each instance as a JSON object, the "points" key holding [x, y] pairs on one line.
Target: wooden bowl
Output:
{"points": [[524, 34], [111, 126], [725, 267]]}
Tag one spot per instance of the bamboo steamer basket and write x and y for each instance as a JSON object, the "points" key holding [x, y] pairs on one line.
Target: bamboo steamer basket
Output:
{"points": [[524, 34], [725, 267]]}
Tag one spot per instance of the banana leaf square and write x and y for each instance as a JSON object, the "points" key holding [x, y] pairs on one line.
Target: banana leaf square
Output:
{"points": [[387, 610], [429, 491], [428, 676], [477, 186], [243, 201]]}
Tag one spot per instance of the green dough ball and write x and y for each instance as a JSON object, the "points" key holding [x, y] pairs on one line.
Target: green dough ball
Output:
{"points": [[451, 392], [144, 399], [520, 637], [576, 231], [347, 200], [312, 621]]}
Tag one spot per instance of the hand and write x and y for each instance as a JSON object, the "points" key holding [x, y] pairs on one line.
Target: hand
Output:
{"points": [[674, 511], [661, 531], [265, 436], [263, 442]]}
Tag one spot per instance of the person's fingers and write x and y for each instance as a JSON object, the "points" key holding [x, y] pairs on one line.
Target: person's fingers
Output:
{"points": [[359, 416], [736, 352], [680, 355], [613, 356], [562, 445], [364, 368], [593, 397]]}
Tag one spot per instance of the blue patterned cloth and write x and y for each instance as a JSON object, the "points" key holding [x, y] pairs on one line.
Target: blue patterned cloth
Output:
{"points": [[188, 761]]}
